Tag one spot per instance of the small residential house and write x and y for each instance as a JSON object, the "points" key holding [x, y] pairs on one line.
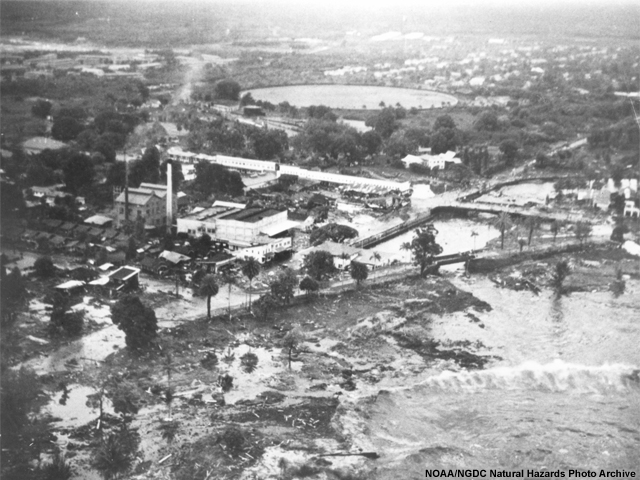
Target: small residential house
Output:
{"points": [[631, 208], [125, 278]]}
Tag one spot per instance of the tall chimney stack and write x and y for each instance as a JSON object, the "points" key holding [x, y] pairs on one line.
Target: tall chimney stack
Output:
{"points": [[169, 197]]}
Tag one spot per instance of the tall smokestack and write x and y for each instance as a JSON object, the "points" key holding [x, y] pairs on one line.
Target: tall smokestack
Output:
{"points": [[126, 188], [169, 197]]}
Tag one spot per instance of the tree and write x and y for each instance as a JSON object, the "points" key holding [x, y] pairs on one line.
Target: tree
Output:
{"points": [[399, 145], [488, 121], [116, 453], [319, 264], [212, 178], [78, 172], [531, 224], [209, 288], [136, 320], [521, 242], [291, 340], [375, 256], [503, 223], [58, 469], [509, 149], [203, 245], [229, 279], [125, 397], [618, 286], [132, 252], [582, 231], [265, 305], [65, 128], [359, 271], [384, 123], [371, 141], [445, 135], [18, 400], [41, 109], [474, 234], [62, 320], [227, 89], [443, 140], [283, 287], [444, 121], [247, 99], [424, 247], [250, 269], [617, 234], [560, 272], [555, 228], [44, 267], [309, 285], [268, 144], [12, 293]]}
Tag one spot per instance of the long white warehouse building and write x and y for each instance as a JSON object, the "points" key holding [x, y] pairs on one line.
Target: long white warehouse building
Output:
{"points": [[180, 155]]}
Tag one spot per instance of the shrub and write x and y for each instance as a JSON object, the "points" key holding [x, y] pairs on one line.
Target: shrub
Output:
{"points": [[249, 362], [233, 440], [44, 267], [58, 469]]}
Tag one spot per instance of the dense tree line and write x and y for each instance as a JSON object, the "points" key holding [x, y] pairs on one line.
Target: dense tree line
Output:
{"points": [[236, 139], [214, 179]]}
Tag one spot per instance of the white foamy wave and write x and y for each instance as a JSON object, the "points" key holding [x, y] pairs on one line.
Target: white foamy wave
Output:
{"points": [[557, 376]]}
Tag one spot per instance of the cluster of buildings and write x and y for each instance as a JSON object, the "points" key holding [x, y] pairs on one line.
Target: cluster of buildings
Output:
{"points": [[434, 162], [247, 232], [448, 64], [15, 66]]}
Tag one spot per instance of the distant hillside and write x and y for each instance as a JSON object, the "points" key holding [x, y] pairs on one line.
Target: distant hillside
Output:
{"points": [[174, 24]]}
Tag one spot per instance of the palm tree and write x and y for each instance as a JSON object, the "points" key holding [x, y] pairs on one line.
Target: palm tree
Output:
{"points": [[474, 234], [251, 269], [229, 279], [406, 246], [532, 224], [375, 256], [503, 223], [209, 288]]}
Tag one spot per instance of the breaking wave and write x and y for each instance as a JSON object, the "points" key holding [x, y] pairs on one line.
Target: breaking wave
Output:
{"points": [[556, 376]]}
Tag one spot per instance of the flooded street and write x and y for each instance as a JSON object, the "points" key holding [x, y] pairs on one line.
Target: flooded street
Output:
{"points": [[564, 392]]}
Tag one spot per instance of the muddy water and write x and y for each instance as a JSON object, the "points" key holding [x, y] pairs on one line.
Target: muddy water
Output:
{"points": [[73, 410], [564, 395], [453, 235], [94, 347]]}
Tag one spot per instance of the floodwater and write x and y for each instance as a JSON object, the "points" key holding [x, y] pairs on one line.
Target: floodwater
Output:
{"points": [[352, 96], [524, 192], [453, 236], [563, 394], [94, 347], [73, 410]]}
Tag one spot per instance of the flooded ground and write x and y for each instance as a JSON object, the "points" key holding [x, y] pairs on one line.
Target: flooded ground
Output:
{"points": [[524, 192], [453, 236], [564, 394]]}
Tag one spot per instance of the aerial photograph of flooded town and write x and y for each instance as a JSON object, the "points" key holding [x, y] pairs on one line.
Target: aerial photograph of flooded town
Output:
{"points": [[325, 240]]}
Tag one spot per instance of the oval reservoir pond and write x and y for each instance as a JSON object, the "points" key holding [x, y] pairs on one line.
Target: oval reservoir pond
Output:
{"points": [[352, 96]]}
